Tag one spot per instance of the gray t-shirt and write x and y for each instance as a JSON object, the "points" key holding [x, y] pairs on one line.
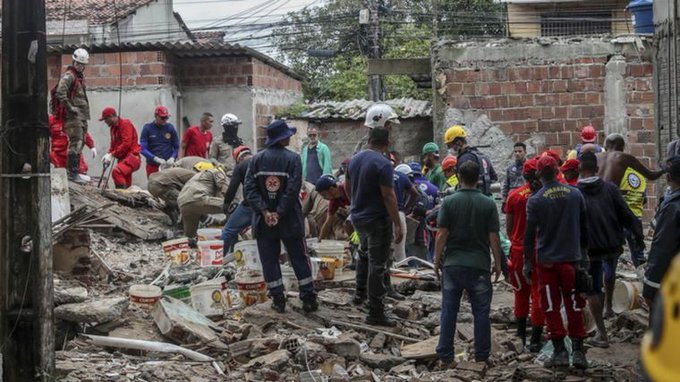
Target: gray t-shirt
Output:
{"points": [[314, 170]]}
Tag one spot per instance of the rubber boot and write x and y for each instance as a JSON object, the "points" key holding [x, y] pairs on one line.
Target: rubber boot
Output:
{"points": [[279, 303], [72, 166], [578, 354], [536, 341], [377, 316], [310, 305], [522, 330], [560, 356]]}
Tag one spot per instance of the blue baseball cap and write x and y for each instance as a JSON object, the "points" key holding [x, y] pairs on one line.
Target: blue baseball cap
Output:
{"points": [[324, 183]]}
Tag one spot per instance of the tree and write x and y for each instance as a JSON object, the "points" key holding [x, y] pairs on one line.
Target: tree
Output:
{"points": [[407, 33]]}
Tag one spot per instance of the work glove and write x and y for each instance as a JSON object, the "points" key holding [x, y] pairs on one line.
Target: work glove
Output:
{"points": [[159, 161], [171, 161], [526, 271], [107, 159], [94, 152]]}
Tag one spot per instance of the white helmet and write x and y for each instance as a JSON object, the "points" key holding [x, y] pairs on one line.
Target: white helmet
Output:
{"points": [[230, 120], [378, 114], [404, 169], [80, 55]]}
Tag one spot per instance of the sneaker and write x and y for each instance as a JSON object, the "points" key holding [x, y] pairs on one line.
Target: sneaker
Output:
{"points": [[381, 320], [446, 365], [279, 303], [76, 179], [310, 305]]}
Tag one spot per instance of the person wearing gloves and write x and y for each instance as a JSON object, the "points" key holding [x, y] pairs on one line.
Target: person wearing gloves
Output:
{"points": [[124, 148], [202, 195], [159, 141]]}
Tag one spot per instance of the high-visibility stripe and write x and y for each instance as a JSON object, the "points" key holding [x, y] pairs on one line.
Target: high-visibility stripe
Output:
{"points": [[519, 282], [547, 295], [306, 280], [652, 284], [275, 283], [271, 173], [573, 301]]}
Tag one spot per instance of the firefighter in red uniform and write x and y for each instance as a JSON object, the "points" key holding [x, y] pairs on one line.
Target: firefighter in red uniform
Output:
{"points": [[59, 145], [124, 148], [516, 220]]}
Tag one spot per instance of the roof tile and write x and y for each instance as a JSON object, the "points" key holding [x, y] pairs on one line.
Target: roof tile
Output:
{"points": [[97, 12]]}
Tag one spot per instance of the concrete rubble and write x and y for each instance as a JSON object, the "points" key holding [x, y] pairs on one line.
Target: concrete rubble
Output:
{"points": [[254, 343]]}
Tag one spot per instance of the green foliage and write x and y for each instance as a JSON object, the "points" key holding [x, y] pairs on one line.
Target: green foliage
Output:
{"points": [[407, 33]]}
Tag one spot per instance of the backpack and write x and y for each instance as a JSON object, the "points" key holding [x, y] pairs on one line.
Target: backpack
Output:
{"points": [[57, 108], [484, 172]]}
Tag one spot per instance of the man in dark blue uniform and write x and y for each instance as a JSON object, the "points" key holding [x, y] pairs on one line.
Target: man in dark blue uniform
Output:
{"points": [[272, 187]]}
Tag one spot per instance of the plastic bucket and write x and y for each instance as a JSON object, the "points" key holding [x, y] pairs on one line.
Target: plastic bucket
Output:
{"points": [[210, 253], [246, 255], [327, 267], [208, 297], [206, 234], [332, 249], [145, 296], [251, 289], [643, 15], [180, 292], [626, 296], [177, 250]]}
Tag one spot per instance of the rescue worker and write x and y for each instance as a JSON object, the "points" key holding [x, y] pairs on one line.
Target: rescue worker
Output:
{"points": [[525, 291], [333, 191], [59, 147], [316, 158], [569, 170], [124, 148], [666, 242], [468, 234], [431, 168], [375, 216], [240, 217], [203, 194], [166, 186], [633, 185], [588, 137], [514, 172], [159, 141], [196, 140], [221, 149], [607, 215], [272, 187], [556, 215], [455, 138], [190, 163], [380, 116], [449, 168], [407, 195], [73, 108]]}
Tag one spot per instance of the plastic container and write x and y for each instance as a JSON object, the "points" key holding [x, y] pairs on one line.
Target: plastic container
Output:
{"points": [[332, 249], [326, 267], [210, 253], [180, 292], [643, 15], [144, 296], [626, 296], [177, 250], [251, 288], [247, 256], [206, 234], [208, 297]]}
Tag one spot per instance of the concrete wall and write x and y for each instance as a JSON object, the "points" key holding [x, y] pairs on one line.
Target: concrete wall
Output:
{"points": [[268, 104], [542, 92]]}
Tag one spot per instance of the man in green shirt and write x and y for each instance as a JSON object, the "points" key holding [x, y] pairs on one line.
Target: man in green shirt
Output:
{"points": [[431, 168], [468, 229]]}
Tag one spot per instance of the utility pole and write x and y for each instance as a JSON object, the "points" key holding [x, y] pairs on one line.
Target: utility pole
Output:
{"points": [[26, 290], [376, 87]]}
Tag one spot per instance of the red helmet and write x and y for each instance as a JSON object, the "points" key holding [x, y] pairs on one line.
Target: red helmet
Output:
{"points": [[449, 162], [240, 151], [161, 111], [588, 134]]}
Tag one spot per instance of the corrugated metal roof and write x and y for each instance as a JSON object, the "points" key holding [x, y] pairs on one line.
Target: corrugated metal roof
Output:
{"points": [[356, 109], [180, 49]]}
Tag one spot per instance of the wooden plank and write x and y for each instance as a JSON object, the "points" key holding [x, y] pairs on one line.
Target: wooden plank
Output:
{"points": [[399, 66], [421, 350]]}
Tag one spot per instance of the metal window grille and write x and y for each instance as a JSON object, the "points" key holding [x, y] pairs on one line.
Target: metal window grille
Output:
{"points": [[577, 23]]}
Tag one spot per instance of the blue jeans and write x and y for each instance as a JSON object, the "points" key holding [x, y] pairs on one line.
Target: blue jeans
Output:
{"points": [[477, 284], [241, 218]]}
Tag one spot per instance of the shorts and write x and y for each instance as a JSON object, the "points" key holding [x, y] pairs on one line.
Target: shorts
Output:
{"points": [[596, 272]]}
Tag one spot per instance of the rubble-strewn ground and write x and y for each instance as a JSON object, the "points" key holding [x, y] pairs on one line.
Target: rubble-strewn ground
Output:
{"points": [[263, 345]]}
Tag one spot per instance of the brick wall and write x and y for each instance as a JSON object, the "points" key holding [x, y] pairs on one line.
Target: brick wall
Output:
{"points": [[267, 76], [104, 70], [552, 97], [215, 71]]}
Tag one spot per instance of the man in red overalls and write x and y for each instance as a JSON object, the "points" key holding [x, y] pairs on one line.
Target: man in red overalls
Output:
{"points": [[124, 148], [59, 146]]}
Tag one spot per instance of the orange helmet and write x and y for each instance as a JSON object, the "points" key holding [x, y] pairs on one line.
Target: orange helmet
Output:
{"points": [[449, 162], [240, 151]]}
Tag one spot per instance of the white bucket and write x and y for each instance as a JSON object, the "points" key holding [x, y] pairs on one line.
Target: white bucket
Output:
{"points": [[246, 255], [206, 234], [177, 250], [208, 297], [145, 296], [626, 296], [210, 253], [251, 288], [332, 249]]}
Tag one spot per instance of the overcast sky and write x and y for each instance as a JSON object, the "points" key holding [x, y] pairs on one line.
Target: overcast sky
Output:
{"points": [[200, 13]]}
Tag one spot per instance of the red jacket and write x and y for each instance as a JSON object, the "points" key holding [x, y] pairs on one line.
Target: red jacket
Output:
{"points": [[124, 139]]}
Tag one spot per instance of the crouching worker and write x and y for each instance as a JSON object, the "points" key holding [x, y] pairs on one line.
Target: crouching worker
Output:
{"points": [[272, 187], [124, 147], [202, 195], [166, 186]]}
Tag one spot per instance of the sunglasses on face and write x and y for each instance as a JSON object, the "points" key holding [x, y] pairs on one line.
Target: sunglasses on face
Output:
{"points": [[164, 118]]}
